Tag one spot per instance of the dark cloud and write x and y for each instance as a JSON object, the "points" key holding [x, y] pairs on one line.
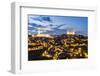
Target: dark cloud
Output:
{"points": [[42, 18], [46, 18]]}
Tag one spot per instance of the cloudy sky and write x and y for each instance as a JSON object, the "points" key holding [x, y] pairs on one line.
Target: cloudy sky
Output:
{"points": [[57, 24]]}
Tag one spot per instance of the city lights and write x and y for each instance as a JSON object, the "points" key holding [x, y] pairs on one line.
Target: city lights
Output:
{"points": [[57, 37]]}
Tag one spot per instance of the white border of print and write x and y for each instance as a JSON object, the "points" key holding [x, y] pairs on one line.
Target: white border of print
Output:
{"points": [[19, 56]]}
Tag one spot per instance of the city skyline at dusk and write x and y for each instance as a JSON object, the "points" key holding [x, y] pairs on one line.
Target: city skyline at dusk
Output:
{"points": [[58, 24], [57, 37]]}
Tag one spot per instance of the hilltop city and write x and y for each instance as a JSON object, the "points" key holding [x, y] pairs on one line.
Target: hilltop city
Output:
{"points": [[56, 47]]}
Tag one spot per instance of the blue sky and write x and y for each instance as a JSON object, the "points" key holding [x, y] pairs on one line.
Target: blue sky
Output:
{"points": [[58, 24]]}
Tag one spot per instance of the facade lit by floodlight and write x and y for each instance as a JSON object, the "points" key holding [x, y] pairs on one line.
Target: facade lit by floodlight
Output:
{"points": [[41, 32], [70, 31]]}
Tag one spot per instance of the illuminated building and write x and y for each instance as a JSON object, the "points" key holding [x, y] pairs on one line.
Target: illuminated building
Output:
{"points": [[40, 33], [70, 33]]}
